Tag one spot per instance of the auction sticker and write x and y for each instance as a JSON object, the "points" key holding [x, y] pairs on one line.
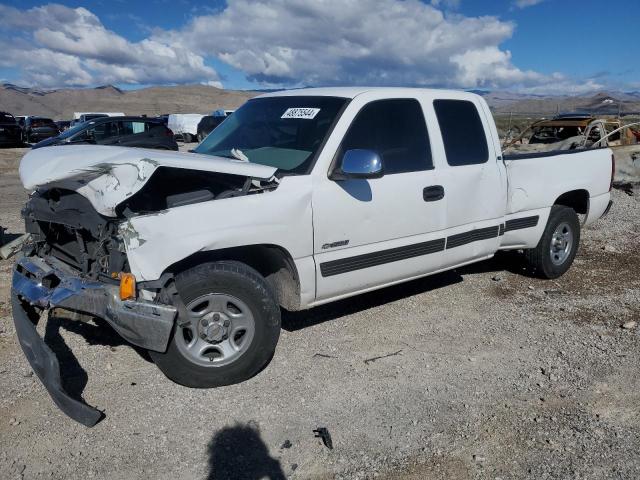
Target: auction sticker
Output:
{"points": [[301, 112]]}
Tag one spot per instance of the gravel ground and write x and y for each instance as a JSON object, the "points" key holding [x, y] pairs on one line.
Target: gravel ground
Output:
{"points": [[477, 373]]}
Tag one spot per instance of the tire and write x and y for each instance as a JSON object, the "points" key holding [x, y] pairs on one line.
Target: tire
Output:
{"points": [[186, 138], [240, 297], [558, 246]]}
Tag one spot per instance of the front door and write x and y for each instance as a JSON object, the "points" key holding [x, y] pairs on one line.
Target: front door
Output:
{"points": [[372, 232]]}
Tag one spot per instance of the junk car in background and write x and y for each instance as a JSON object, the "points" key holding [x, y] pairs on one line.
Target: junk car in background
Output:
{"points": [[139, 132]]}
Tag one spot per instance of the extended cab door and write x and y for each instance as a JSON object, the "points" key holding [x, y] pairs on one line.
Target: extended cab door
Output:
{"points": [[473, 177], [372, 232]]}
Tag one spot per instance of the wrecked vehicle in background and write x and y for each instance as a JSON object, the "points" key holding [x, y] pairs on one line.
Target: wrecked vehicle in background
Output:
{"points": [[298, 199], [570, 132]]}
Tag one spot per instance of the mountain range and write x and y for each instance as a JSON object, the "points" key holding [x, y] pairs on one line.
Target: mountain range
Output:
{"points": [[61, 103]]}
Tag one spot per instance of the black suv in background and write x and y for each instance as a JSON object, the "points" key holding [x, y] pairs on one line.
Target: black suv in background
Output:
{"points": [[38, 128], [10, 131], [118, 131]]}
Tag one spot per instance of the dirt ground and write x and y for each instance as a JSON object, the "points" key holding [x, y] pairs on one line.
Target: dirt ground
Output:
{"points": [[479, 373]]}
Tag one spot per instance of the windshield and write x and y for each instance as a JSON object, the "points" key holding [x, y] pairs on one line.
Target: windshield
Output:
{"points": [[281, 132]]}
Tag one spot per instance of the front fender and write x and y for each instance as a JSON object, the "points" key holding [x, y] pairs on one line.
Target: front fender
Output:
{"points": [[281, 217]]}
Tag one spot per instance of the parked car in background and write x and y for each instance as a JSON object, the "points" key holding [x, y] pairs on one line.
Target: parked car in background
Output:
{"points": [[39, 128], [208, 124], [10, 131], [184, 125], [63, 125], [139, 132]]}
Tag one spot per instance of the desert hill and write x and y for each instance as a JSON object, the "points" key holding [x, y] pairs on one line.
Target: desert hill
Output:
{"points": [[60, 104]]}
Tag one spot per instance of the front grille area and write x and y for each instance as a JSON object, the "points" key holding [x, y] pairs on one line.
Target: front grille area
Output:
{"points": [[64, 224]]}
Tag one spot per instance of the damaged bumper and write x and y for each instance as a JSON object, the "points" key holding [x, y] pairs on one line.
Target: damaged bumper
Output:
{"points": [[41, 284]]}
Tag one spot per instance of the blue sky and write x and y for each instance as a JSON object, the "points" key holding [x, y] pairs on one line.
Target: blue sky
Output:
{"points": [[538, 46]]}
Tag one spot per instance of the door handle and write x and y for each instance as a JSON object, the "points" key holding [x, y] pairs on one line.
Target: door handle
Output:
{"points": [[433, 193]]}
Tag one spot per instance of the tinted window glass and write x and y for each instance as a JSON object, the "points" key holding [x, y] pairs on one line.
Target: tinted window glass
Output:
{"points": [[132, 127], [465, 141], [396, 130], [105, 130]]}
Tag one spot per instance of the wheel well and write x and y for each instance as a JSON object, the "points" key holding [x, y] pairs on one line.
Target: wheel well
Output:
{"points": [[274, 263], [576, 199]]}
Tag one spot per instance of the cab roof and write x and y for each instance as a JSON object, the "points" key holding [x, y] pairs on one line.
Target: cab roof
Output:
{"points": [[352, 92]]}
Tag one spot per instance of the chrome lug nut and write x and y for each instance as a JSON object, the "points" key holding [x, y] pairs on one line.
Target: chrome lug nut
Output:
{"points": [[216, 317], [227, 323]]}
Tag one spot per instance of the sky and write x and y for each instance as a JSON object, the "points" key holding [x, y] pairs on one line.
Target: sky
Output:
{"points": [[528, 46]]}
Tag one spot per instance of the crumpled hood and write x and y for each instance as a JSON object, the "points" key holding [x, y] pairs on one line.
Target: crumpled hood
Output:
{"points": [[106, 176]]}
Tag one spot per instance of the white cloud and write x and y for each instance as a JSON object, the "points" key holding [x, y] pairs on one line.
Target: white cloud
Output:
{"points": [[380, 42], [361, 42], [526, 3], [61, 46], [282, 43]]}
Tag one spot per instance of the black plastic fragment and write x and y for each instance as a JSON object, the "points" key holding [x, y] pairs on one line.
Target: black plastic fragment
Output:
{"points": [[323, 433]]}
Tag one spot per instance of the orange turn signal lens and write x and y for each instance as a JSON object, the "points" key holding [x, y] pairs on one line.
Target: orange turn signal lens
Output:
{"points": [[127, 286]]}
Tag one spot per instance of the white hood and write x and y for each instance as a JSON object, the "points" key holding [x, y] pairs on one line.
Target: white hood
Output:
{"points": [[108, 175]]}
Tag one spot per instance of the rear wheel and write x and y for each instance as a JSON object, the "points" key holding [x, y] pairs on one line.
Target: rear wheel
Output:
{"points": [[558, 245], [230, 329]]}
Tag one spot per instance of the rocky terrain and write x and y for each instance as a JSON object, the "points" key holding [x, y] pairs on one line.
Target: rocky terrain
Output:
{"points": [[479, 373]]}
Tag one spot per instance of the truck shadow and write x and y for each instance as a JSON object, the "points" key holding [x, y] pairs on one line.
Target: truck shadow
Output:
{"points": [[74, 377], [238, 452], [502, 261]]}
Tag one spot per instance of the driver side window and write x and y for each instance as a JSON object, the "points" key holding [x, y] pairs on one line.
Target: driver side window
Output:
{"points": [[394, 129]]}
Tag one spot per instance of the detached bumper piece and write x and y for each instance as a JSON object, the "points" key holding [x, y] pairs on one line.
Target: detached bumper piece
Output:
{"points": [[39, 285]]}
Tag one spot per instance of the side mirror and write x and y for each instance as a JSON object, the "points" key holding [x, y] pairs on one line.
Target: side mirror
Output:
{"points": [[358, 163]]}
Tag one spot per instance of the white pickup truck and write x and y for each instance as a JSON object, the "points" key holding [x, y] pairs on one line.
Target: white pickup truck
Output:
{"points": [[300, 198]]}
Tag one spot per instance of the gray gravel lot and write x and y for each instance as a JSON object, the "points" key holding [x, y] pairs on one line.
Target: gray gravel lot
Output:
{"points": [[484, 373]]}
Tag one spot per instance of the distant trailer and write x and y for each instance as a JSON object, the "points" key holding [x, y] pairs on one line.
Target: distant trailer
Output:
{"points": [[185, 125]]}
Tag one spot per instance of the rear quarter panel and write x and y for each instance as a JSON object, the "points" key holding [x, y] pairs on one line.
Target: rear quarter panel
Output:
{"points": [[535, 183]]}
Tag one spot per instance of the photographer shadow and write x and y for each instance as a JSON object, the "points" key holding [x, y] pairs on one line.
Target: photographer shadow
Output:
{"points": [[238, 453]]}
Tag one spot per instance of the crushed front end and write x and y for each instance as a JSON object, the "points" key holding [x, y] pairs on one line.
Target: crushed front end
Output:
{"points": [[73, 261]]}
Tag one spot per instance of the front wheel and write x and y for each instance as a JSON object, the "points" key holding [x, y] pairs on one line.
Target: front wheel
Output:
{"points": [[558, 245], [230, 329]]}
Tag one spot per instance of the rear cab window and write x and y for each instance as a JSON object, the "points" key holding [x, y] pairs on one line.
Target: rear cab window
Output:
{"points": [[464, 137], [396, 130]]}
